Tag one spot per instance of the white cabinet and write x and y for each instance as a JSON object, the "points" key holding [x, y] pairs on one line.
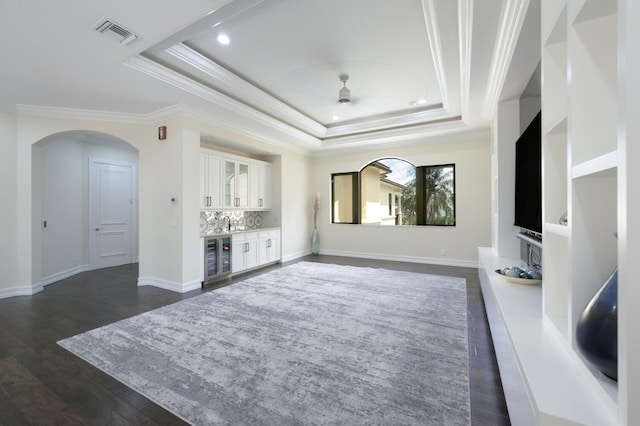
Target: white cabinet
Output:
{"points": [[244, 251], [268, 246], [232, 182], [210, 181], [252, 249], [260, 186]]}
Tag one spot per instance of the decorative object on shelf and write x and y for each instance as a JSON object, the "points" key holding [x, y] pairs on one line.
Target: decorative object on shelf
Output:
{"points": [[564, 219], [315, 237], [518, 275], [597, 329]]}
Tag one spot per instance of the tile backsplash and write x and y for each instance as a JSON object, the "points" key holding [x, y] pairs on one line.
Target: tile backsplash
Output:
{"points": [[217, 222]]}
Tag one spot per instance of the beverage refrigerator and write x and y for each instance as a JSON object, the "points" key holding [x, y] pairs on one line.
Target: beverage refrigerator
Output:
{"points": [[217, 252]]}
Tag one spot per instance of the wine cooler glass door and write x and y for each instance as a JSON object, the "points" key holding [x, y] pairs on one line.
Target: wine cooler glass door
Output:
{"points": [[225, 255], [212, 257]]}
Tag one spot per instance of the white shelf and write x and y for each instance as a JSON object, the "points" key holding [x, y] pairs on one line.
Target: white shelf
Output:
{"points": [[558, 389], [603, 165], [557, 229]]}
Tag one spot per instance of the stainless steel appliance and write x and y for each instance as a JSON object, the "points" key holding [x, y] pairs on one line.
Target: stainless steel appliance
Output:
{"points": [[217, 252]]}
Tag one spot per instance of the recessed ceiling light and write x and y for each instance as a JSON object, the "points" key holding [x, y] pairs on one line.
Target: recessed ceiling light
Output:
{"points": [[223, 39], [335, 118], [422, 101]]}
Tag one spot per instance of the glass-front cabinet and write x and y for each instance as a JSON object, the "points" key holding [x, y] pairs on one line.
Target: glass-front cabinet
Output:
{"points": [[236, 184]]}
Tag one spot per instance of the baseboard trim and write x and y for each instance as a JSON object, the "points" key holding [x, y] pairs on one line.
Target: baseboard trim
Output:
{"points": [[169, 285], [50, 279], [409, 259], [21, 290], [26, 290], [294, 256]]}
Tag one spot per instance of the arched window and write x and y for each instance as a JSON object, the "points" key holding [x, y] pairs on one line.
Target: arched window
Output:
{"points": [[391, 191]]}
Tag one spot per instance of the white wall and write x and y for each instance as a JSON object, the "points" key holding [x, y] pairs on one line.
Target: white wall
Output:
{"points": [[529, 108], [62, 202], [60, 190], [30, 130], [414, 243], [505, 133], [8, 197], [297, 199], [511, 119], [161, 223]]}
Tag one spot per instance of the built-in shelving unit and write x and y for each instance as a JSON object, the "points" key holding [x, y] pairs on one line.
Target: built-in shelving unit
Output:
{"points": [[580, 139], [590, 156]]}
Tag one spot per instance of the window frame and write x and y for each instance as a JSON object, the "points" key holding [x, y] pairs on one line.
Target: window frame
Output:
{"points": [[355, 197], [421, 207], [420, 184]]}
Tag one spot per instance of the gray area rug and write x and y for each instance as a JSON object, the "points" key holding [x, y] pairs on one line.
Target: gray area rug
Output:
{"points": [[307, 344]]}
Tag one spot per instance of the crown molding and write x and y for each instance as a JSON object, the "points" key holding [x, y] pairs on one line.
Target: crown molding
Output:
{"points": [[465, 28], [419, 117], [8, 108], [400, 135], [252, 97], [302, 143], [442, 133], [180, 81], [512, 19], [241, 89], [79, 114], [435, 42]]}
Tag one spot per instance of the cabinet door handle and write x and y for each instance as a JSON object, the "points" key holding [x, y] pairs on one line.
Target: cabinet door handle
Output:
{"points": [[209, 201], [269, 242], [260, 203]]}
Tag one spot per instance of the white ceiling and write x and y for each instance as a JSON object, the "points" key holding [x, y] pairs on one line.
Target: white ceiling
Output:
{"points": [[278, 79]]}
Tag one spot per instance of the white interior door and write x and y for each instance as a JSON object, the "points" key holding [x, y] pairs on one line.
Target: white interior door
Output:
{"points": [[111, 213]]}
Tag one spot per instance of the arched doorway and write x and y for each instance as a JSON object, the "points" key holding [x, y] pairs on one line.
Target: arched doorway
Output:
{"points": [[66, 239]]}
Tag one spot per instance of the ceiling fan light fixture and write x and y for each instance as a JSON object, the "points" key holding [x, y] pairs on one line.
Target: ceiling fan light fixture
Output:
{"points": [[344, 95]]}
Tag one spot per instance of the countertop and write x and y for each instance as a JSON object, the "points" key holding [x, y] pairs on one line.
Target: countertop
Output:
{"points": [[212, 233]]}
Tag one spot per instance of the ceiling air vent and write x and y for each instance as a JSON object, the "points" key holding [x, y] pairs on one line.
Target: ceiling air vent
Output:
{"points": [[109, 27]]}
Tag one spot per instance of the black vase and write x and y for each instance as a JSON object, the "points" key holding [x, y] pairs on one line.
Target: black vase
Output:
{"points": [[597, 329]]}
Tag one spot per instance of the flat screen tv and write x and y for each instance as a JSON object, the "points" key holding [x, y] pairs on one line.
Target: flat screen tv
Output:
{"points": [[528, 197]]}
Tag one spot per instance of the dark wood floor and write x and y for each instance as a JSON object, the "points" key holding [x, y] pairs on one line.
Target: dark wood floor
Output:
{"points": [[43, 384]]}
